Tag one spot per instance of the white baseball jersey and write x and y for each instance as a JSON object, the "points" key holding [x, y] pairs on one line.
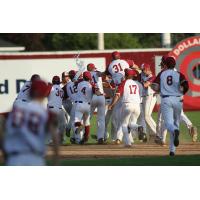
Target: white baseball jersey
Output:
{"points": [[56, 96], [24, 93], [144, 78], [129, 91], [116, 69], [97, 80], [26, 129], [169, 81], [72, 91], [85, 91]]}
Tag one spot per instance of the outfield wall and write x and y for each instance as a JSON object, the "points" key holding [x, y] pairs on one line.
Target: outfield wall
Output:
{"points": [[16, 68]]}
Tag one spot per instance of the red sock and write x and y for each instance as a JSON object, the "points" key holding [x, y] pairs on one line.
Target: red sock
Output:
{"points": [[87, 132]]}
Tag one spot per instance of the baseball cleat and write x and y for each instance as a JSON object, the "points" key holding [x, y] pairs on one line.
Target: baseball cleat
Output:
{"points": [[67, 132], [72, 140], [176, 139], [140, 133], [128, 146], [172, 153], [145, 138], [100, 141], [193, 133], [118, 141]]}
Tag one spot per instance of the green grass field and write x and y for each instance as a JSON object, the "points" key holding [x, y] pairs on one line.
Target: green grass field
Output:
{"points": [[142, 160]]}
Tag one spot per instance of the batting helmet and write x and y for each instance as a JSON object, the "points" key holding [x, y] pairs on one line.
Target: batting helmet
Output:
{"points": [[35, 77], [39, 89], [87, 75], [56, 80], [130, 72]]}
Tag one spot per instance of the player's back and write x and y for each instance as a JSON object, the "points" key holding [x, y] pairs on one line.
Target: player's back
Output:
{"points": [[97, 80], [26, 129], [24, 92], [56, 96], [131, 91], [85, 91], [170, 83], [116, 69], [72, 91]]}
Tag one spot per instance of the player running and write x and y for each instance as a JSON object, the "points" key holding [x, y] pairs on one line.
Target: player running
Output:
{"points": [[129, 91], [172, 85], [27, 128]]}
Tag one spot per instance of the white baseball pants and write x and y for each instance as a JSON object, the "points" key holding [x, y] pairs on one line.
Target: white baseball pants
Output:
{"points": [[130, 114], [171, 108], [108, 114], [99, 103], [148, 104]]}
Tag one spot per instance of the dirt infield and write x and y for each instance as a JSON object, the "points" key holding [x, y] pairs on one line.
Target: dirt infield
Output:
{"points": [[106, 151]]}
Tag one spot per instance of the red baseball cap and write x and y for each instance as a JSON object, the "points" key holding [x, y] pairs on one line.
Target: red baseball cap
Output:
{"points": [[39, 88], [72, 73], [115, 55], [87, 75], [145, 66], [130, 72], [91, 66]]}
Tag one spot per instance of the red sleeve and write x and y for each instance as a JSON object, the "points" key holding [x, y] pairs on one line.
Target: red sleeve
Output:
{"points": [[184, 83], [120, 89], [151, 79], [157, 79]]}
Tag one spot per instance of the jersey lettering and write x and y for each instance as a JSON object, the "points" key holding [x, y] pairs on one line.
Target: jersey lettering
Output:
{"points": [[83, 90], [27, 88], [133, 89], [118, 68], [169, 80]]}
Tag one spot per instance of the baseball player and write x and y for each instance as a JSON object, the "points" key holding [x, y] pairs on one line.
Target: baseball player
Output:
{"points": [[55, 104], [98, 102], [148, 99], [23, 95], [27, 127], [109, 92], [172, 85], [129, 90], [67, 104], [116, 70], [70, 93], [82, 111], [162, 131]]}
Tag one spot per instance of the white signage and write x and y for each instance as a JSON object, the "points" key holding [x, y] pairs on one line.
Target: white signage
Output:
{"points": [[15, 72]]}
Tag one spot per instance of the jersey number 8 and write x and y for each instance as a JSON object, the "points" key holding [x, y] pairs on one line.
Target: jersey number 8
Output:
{"points": [[169, 80]]}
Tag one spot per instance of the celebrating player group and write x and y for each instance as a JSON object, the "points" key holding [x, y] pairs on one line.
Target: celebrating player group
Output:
{"points": [[124, 95]]}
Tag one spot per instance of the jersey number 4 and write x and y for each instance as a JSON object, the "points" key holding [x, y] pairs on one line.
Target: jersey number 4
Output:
{"points": [[169, 80], [133, 89], [117, 68]]}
